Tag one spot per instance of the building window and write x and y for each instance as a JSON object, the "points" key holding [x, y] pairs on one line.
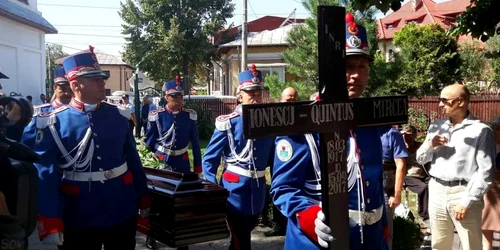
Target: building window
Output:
{"points": [[389, 26], [391, 55], [279, 71], [108, 92], [106, 72]]}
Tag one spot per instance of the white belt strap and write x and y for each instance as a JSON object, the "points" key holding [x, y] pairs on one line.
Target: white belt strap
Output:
{"points": [[96, 176], [367, 218], [245, 172], [171, 152]]}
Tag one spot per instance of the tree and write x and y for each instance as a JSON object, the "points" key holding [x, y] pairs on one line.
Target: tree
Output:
{"points": [[429, 59], [492, 47], [480, 19], [303, 39], [276, 87], [473, 64], [383, 76], [53, 52], [167, 37]]}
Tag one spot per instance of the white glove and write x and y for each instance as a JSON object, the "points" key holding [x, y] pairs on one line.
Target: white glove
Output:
{"points": [[322, 230], [55, 238]]}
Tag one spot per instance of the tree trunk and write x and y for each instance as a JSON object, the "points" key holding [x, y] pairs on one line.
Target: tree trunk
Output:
{"points": [[185, 71]]}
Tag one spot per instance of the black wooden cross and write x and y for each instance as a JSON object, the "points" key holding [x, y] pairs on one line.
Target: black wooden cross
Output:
{"points": [[332, 117]]}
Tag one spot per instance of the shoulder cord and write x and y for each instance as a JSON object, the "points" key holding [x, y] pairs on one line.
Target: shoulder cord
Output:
{"points": [[163, 138], [245, 156], [314, 156], [356, 162]]}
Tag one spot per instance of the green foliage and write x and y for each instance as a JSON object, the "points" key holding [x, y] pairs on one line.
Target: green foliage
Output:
{"points": [[479, 20], [54, 52], [421, 121], [167, 37], [429, 59], [492, 48], [276, 87], [473, 64], [407, 234], [383, 77], [148, 158], [205, 123], [302, 53]]}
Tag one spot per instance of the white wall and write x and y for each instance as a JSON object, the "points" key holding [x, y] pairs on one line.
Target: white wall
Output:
{"points": [[385, 46], [22, 59]]}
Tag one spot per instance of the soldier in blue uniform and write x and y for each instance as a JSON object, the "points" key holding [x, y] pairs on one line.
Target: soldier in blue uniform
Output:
{"points": [[245, 162], [296, 187], [62, 93], [62, 97], [91, 182], [171, 129]]}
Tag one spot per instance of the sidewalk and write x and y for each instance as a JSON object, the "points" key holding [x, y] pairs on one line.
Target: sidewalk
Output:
{"points": [[259, 242]]}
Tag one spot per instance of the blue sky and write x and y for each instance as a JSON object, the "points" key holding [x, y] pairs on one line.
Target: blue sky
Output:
{"points": [[98, 23]]}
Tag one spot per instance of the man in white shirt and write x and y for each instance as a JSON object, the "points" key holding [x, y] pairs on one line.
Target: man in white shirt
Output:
{"points": [[461, 150]]}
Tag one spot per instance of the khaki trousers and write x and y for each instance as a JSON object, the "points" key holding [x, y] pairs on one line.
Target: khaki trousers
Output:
{"points": [[442, 202]]}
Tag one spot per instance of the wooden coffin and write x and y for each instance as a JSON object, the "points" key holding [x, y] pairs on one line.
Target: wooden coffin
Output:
{"points": [[185, 210]]}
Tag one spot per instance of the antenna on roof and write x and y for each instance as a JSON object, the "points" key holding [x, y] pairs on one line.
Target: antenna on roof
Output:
{"points": [[289, 18]]}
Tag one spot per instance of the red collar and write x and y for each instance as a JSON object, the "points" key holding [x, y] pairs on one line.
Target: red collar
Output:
{"points": [[56, 104], [78, 105]]}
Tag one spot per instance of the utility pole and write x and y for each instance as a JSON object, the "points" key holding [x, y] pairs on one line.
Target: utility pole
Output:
{"points": [[49, 74], [244, 38], [137, 105]]}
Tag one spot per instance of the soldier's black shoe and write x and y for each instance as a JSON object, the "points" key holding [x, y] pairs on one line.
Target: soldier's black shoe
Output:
{"points": [[275, 232], [151, 243]]}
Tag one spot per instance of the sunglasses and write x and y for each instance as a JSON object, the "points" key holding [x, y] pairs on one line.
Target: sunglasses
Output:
{"points": [[448, 100]]}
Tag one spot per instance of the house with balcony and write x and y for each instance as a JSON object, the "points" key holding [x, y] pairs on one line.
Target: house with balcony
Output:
{"points": [[22, 47]]}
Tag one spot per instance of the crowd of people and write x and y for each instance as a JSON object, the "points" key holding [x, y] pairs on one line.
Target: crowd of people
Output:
{"points": [[92, 185]]}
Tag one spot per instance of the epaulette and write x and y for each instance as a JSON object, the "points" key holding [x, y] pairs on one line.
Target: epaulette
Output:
{"points": [[223, 122], [153, 115], [48, 118], [192, 114], [124, 111], [38, 108]]}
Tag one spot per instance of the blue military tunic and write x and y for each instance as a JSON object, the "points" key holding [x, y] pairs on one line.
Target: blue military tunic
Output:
{"points": [[169, 134], [296, 187], [245, 162], [28, 139], [90, 175], [46, 107]]}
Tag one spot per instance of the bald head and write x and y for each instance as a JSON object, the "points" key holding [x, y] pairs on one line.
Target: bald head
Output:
{"points": [[456, 91], [289, 95]]}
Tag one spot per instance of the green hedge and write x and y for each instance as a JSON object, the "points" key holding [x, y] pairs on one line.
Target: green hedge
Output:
{"points": [[206, 125]]}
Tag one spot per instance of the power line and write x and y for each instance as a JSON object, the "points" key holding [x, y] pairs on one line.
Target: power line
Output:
{"points": [[87, 25], [79, 6], [115, 8], [249, 3], [96, 35]]}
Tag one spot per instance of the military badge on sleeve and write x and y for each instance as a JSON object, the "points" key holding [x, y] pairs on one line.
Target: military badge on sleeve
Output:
{"points": [[39, 136], [284, 150]]}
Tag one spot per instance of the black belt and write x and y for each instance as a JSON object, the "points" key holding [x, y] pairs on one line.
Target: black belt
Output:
{"points": [[450, 183]]}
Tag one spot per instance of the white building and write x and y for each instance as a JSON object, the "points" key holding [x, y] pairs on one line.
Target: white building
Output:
{"points": [[22, 47]]}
